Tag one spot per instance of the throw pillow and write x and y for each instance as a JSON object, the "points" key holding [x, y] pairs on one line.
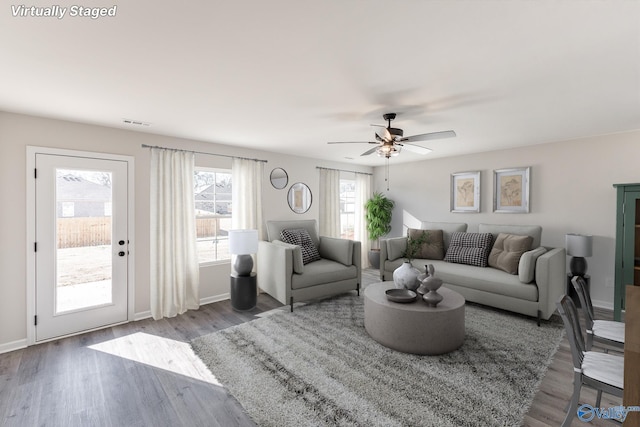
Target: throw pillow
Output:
{"points": [[301, 237], [507, 251], [469, 248], [433, 245]]}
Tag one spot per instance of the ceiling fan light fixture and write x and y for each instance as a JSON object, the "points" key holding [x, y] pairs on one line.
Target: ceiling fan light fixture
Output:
{"points": [[388, 150]]}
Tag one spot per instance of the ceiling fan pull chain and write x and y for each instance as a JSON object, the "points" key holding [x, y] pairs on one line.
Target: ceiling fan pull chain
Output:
{"points": [[386, 178]]}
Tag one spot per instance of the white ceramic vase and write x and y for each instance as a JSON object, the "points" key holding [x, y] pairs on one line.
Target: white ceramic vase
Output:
{"points": [[406, 277]]}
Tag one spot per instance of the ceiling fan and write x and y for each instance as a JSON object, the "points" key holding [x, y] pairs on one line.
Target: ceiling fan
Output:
{"points": [[390, 141]]}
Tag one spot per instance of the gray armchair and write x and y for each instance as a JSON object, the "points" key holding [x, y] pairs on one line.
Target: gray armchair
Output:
{"points": [[282, 274]]}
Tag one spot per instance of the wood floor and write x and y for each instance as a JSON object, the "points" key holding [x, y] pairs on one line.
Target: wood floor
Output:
{"points": [[144, 374]]}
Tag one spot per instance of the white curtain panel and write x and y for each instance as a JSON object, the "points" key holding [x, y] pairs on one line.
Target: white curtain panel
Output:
{"points": [[246, 177], [329, 203], [363, 193], [174, 257]]}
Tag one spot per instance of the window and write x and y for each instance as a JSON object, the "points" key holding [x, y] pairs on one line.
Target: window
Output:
{"points": [[347, 207], [212, 194]]}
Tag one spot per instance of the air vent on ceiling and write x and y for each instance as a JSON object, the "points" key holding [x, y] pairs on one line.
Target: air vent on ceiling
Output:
{"points": [[135, 123]]}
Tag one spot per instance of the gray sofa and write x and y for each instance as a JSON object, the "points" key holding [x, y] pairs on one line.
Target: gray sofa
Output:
{"points": [[282, 274], [533, 291]]}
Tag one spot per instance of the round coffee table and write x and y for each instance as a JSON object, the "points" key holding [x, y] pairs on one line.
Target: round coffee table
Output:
{"points": [[414, 327]]}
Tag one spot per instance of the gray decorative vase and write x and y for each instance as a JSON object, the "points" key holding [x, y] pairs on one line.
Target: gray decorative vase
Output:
{"points": [[406, 276], [431, 283], [428, 271]]}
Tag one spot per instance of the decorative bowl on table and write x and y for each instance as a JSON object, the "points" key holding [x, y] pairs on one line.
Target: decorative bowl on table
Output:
{"points": [[401, 295]]}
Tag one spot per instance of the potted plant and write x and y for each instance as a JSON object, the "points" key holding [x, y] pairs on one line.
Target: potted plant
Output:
{"points": [[414, 245], [378, 215]]}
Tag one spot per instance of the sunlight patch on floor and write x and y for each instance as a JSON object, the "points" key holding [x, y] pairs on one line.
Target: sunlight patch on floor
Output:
{"points": [[158, 352]]}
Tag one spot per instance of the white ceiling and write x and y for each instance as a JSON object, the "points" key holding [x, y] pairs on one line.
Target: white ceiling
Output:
{"points": [[290, 75]]}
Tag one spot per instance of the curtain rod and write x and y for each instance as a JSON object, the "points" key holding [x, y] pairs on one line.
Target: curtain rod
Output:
{"points": [[344, 170], [202, 152]]}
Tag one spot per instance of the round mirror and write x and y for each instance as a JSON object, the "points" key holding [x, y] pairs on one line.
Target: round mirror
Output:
{"points": [[279, 178], [299, 197]]}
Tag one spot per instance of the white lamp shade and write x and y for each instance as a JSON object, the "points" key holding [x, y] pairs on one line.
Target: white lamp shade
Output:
{"points": [[579, 245], [243, 242]]}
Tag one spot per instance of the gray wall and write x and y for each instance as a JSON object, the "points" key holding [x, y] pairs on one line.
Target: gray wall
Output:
{"points": [[19, 131], [571, 192]]}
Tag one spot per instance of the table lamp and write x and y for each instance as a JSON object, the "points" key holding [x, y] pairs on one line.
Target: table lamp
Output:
{"points": [[243, 243], [578, 247]]}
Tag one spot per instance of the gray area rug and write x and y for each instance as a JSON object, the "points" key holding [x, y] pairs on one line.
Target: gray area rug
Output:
{"points": [[317, 366]]}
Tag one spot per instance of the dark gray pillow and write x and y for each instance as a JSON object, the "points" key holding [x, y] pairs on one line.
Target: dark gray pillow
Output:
{"points": [[432, 247], [469, 248], [301, 237]]}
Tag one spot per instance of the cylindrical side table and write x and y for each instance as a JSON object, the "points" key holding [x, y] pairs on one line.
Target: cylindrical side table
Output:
{"points": [[243, 292]]}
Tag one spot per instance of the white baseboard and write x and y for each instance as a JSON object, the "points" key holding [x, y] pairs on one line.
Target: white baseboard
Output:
{"points": [[12, 346], [203, 301], [602, 304], [215, 298], [142, 315]]}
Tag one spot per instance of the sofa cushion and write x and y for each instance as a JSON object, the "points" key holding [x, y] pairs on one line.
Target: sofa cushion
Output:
{"points": [[527, 265], [432, 248], [301, 237], [489, 280], [534, 231], [298, 265], [447, 229], [340, 250], [507, 251], [469, 248]]}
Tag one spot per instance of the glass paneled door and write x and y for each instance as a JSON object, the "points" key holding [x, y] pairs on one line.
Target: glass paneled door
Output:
{"points": [[82, 244]]}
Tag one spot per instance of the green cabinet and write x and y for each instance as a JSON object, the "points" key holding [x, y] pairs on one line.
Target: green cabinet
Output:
{"points": [[627, 243]]}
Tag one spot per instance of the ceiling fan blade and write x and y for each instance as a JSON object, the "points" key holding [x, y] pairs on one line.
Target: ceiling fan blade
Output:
{"points": [[383, 133], [429, 136], [352, 142], [371, 151], [416, 148]]}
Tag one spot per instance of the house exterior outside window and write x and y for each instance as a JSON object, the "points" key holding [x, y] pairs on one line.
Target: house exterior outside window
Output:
{"points": [[347, 207], [212, 197]]}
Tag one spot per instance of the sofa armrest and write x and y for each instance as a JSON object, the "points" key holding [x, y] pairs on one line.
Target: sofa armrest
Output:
{"points": [[274, 270], [551, 279], [391, 249]]}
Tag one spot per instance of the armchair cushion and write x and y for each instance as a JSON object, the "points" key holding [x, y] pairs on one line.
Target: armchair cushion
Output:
{"points": [[323, 272], [301, 237], [298, 265], [339, 250]]}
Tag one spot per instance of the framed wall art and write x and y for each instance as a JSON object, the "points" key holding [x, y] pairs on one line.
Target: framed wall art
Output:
{"points": [[511, 190], [465, 192]]}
